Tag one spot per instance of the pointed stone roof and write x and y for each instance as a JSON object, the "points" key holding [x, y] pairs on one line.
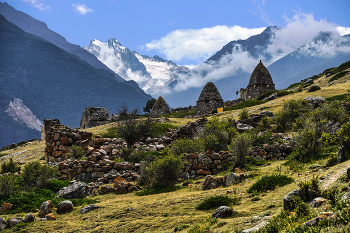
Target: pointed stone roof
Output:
{"points": [[159, 108], [209, 92], [260, 76]]}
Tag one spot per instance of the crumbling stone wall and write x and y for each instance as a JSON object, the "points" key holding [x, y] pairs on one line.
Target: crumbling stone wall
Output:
{"points": [[272, 152], [60, 138], [207, 163], [48, 123]]}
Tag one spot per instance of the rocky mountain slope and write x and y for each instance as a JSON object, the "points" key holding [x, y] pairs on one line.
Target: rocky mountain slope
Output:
{"points": [[53, 83]]}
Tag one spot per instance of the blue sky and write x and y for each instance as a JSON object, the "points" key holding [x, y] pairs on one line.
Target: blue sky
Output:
{"points": [[186, 31]]}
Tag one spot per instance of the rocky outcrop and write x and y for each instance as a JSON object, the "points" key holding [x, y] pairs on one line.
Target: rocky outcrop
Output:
{"points": [[313, 88], [287, 200], [315, 101], [76, 190], [209, 100], [159, 108], [275, 151], [222, 211], [94, 116]]}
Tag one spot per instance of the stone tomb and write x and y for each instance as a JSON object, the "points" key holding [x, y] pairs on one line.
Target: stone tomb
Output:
{"points": [[209, 100], [94, 116]]}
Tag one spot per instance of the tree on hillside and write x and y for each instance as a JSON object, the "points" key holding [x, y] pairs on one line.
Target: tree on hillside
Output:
{"points": [[149, 105]]}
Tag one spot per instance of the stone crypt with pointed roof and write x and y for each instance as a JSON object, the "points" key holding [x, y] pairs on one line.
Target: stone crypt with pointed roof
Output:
{"points": [[209, 100], [260, 81]]}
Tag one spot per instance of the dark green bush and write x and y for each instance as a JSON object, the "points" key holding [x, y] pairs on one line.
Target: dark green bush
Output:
{"points": [[187, 145], [331, 195], [333, 111], [240, 147], [344, 137], [310, 189], [343, 97], [149, 105], [160, 128], [217, 134], [111, 133], [265, 123], [10, 166], [214, 202], [37, 175], [301, 208], [7, 184], [308, 142], [56, 185], [270, 183], [77, 152], [164, 172]]}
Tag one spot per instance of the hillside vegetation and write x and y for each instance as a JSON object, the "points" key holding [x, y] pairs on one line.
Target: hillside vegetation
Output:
{"points": [[313, 166]]}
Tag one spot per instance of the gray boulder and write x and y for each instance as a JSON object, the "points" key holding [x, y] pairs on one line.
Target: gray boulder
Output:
{"points": [[29, 218], [222, 211], [210, 183], [271, 97], [3, 224], [317, 202], [267, 113], [64, 207], [88, 208], [84, 177], [76, 190], [255, 228], [232, 177], [315, 101], [243, 127], [14, 221], [45, 208], [287, 200]]}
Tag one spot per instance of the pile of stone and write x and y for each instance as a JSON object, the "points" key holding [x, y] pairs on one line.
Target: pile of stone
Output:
{"points": [[105, 149], [60, 138], [88, 171], [190, 130], [254, 119], [275, 151], [207, 163]]}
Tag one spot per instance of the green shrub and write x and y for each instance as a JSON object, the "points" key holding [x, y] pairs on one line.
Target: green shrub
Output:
{"points": [[344, 137], [76, 152], [333, 111], [10, 166], [343, 97], [37, 175], [7, 184], [244, 114], [214, 202], [217, 134], [240, 148], [270, 183], [265, 123], [56, 185], [147, 156], [187, 145], [165, 171], [331, 195], [291, 110], [111, 133], [301, 209], [310, 189], [308, 142]]}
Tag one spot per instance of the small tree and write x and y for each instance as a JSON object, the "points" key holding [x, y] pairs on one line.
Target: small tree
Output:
{"points": [[7, 183], [37, 175], [149, 105], [240, 148], [244, 114]]}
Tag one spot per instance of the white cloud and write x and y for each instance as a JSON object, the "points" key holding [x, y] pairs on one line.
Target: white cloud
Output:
{"points": [[343, 31], [301, 30], [82, 9], [199, 44], [37, 4]]}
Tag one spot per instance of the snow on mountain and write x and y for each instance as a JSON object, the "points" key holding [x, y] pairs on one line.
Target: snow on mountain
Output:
{"points": [[152, 74], [120, 60]]}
